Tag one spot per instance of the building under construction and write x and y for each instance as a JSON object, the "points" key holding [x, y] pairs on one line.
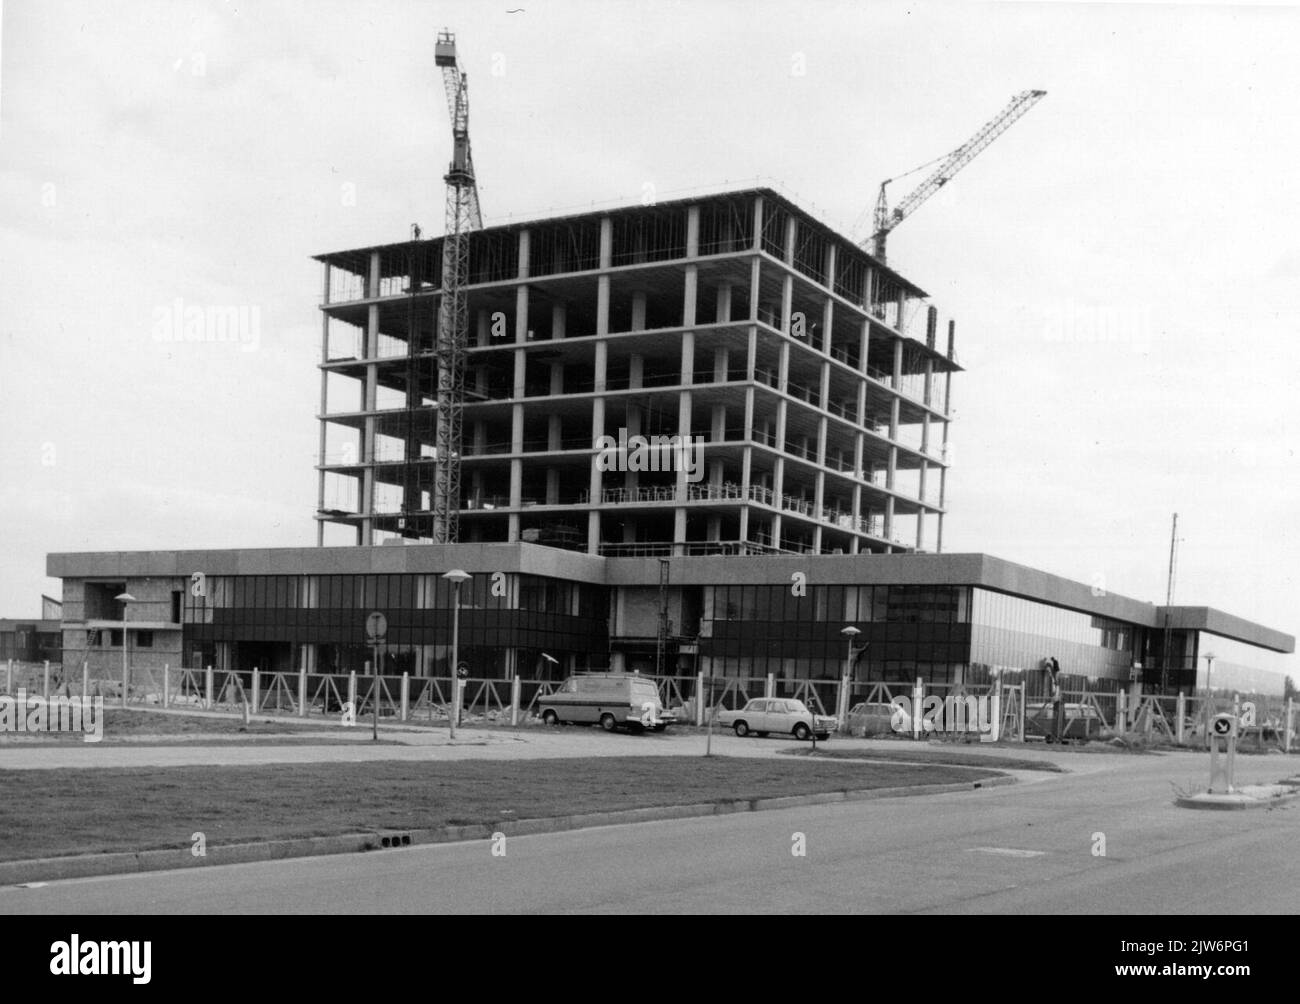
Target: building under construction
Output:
{"points": [[816, 382], [812, 380], [701, 436]]}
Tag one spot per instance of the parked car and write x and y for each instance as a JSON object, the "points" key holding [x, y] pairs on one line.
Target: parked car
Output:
{"points": [[781, 715], [609, 700], [878, 718]]}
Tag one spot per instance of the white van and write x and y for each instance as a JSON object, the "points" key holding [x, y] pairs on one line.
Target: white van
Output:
{"points": [[607, 699]]}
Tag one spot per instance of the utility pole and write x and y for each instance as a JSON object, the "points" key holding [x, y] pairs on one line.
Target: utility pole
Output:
{"points": [[1169, 599]]}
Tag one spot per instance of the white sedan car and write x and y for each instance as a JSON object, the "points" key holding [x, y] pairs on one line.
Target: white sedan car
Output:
{"points": [[780, 715]]}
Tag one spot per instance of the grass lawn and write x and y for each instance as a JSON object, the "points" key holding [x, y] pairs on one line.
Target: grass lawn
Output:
{"points": [[53, 812], [120, 724], [927, 754]]}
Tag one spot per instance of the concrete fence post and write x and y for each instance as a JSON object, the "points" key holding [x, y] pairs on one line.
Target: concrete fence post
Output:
{"points": [[85, 681], [516, 695], [918, 699], [207, 688], [352, 690], [842, 704], [701, 698], [769, 689], [257, 688], [302, 691], [406, 696], [45, 686], [167, 684], [1121, 712], [1180, 710], [9, 677], [1290, 723]]}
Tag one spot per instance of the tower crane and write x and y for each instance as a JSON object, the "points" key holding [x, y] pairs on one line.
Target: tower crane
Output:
{"points": [[463, 216], [886, 220]]}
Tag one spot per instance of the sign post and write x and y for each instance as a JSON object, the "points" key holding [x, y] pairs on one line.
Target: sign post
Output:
{"points": [[376, 631], [1223, 729]]}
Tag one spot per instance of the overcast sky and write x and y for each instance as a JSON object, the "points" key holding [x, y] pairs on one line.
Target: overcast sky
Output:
{"points": [[1123, 264]]}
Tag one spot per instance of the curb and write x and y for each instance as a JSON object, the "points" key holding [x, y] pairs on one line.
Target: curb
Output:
{"points": [[1227, 801], [130, 862]]}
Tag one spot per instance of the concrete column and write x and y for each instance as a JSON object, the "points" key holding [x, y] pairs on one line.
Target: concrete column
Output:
{"points": [[920, 515], [525, 242], [516, 469], [721, 363], [718, 423], [482, 328], [723, 310], [688, 362], [638, 310], [559, 318], [787, 304], [594, 483], [754, 288], [783, 368], [370, 395], [679, 515], [824, 389], [693, 233], [690, 293], [324, 402]]}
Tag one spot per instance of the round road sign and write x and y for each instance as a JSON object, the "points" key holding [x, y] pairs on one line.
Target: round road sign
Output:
{"points": [[376, 626]]}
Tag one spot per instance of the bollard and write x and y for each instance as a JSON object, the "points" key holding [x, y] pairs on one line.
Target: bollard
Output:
{"points": [[516, 694], [207, 688], [700, 698], [257, 689], [45, 686], [167, 684]]}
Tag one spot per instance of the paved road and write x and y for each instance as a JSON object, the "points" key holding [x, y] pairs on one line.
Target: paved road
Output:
{"points": [[1028, 848]]}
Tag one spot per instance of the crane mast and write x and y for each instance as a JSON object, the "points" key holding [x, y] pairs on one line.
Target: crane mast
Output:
{"points": [[462, 216], [886, 220]]}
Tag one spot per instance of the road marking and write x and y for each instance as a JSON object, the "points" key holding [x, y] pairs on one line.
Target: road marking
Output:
{"points": [[32, 885], [1011, 852]]}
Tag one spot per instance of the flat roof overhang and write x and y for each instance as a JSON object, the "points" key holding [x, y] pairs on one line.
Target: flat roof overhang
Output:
{"points": [[425, 559], [979, 570]]}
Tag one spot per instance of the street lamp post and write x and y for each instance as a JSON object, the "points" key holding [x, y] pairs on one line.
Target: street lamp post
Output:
{"points": [[124, 599], [456, 576], [850, 632]]}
